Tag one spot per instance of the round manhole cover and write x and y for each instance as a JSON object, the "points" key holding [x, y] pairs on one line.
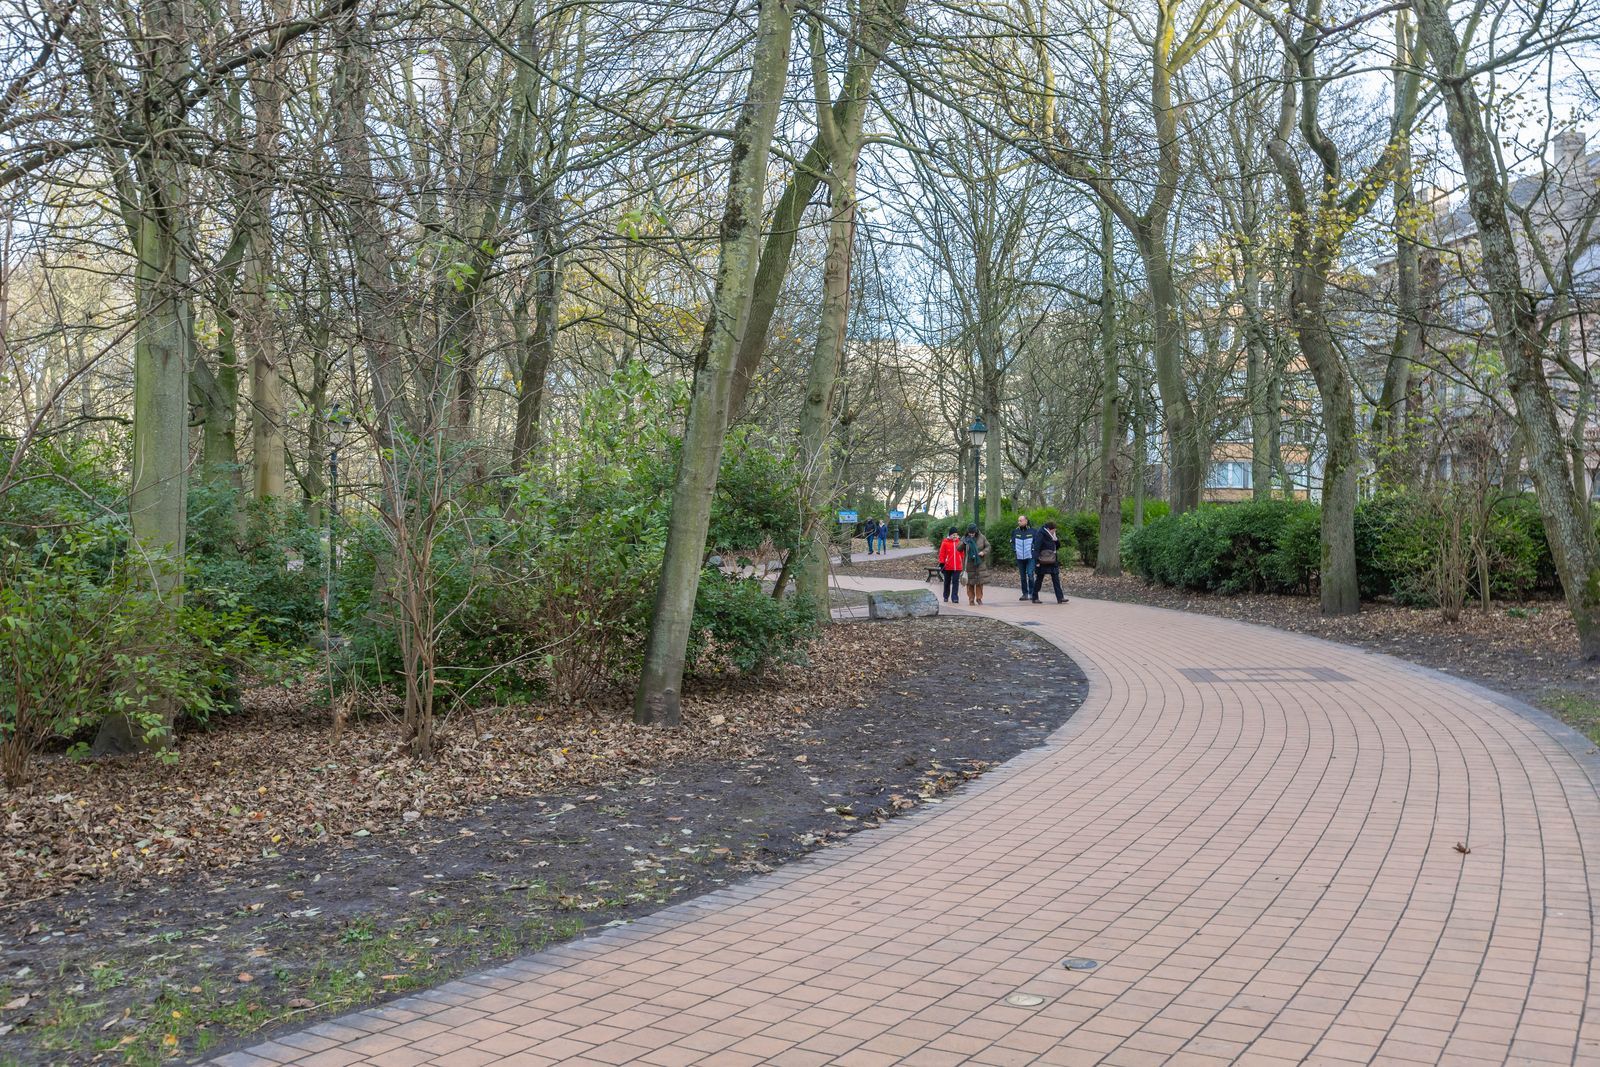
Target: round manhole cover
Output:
{"points": [[1024, 1000], [1080, 963]]}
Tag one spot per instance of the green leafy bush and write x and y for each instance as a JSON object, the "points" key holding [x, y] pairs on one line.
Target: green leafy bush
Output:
{"points": [[738, 621], [1275, 546], [262, 554], [549, 583], [999, 532], [1257, 546], [1084, 528], [83, 641], [1154, 508]]}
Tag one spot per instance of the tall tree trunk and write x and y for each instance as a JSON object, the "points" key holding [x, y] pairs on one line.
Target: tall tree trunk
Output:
{"points": [[878, 22], [1108, 559], [1316, 235], [1187, 456], [1388, 420], [376, 307], [843, 143], [1258, 384], [658, 697], [1514, 309], [164, 347], [816, 414], [536, 340], [266, 384]]}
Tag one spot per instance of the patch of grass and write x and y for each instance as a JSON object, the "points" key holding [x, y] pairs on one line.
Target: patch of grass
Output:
{"points": [[1578, 711], [363, 962]]}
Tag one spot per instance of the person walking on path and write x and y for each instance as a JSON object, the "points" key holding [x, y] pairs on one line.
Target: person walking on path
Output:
{"points": [[1047, 560], [951, 562], [1022, 549], [871, 532], [976, 547], [883, 536]]}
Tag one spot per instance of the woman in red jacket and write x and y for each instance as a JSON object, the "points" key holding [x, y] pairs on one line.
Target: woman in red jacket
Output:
{"points": [[951, 562]]}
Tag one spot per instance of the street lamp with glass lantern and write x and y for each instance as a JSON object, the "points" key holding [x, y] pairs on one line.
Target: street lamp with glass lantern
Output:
{"points": [[978, 431]]}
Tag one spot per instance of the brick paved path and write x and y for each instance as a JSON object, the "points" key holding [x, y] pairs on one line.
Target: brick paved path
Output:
{"points": [[1253, 833]]}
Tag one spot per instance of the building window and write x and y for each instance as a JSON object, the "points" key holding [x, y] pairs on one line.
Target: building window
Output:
{"points": [[1230, 475]]}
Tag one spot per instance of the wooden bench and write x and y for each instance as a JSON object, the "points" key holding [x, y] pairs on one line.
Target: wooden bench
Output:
{"points": [[933, 572]]}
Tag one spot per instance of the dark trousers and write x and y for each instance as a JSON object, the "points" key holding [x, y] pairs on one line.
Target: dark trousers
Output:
{"points": [[1025, 575], [952, 586], [1054, 571]]}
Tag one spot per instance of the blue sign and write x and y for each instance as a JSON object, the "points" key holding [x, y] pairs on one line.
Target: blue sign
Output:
{"points": [[897, 513], [847, 516]]}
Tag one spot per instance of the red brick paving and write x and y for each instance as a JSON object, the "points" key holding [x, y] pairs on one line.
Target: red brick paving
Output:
{"points": [[1262, 859]]}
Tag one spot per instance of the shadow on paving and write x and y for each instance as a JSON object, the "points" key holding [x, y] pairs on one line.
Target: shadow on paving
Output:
{"points": [[194, 967]]}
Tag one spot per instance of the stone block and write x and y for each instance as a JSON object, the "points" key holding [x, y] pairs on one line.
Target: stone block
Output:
{"points": [[902, 604]]}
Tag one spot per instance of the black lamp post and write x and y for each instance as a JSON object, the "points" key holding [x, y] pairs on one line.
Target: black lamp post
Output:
{"points": [[896, 470], [978, 431]]}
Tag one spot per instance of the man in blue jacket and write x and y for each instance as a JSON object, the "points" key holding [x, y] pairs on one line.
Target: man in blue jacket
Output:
{"points": [[1022, 548]]}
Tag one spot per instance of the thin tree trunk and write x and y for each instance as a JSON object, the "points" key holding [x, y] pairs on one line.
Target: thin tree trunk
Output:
{"points": [[266, 384], [843, 143], [1108, 559], [537, 339], [1388, 420], [658, 698], [1514, 310], [849, 110]]}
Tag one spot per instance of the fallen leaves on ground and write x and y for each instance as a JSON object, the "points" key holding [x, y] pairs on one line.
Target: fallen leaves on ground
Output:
{"points": [[273, 776]]}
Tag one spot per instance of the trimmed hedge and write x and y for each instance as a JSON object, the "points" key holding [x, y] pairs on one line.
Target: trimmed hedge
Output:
{"points": [[1275, 546], [1244, 548]]}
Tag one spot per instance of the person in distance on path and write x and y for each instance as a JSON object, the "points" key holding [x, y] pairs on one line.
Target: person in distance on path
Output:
{"points": [[951, 563], [975, 547], [1022, 549], [883, 536], [870, 530], [1047, 560]]}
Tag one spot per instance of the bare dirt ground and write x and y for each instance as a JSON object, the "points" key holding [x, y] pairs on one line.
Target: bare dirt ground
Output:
{"points": [[315, 876]]}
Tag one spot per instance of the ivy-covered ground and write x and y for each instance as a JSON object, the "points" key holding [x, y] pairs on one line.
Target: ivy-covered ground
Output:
{"points": [[274, 875]]}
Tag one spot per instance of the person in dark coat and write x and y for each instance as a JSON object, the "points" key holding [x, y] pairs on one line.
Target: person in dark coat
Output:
{"points": [[1047, 560]]}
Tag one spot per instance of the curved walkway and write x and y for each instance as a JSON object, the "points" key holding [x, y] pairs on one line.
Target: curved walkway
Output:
{"points": [[1252, 832]]}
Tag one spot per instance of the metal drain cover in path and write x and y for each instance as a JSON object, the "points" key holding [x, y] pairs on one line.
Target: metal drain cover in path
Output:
{"points": [[1080, 963], [1024, 1000]]}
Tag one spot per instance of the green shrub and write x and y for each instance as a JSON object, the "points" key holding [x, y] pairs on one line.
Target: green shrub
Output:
{"points": [[262, 554], [547, 585], [1295, 564], [1082, 528], [937, 528], [1275, 546], [999, 532], [83, 641], [1259, 546], [736, 619], [1154, 508]]}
